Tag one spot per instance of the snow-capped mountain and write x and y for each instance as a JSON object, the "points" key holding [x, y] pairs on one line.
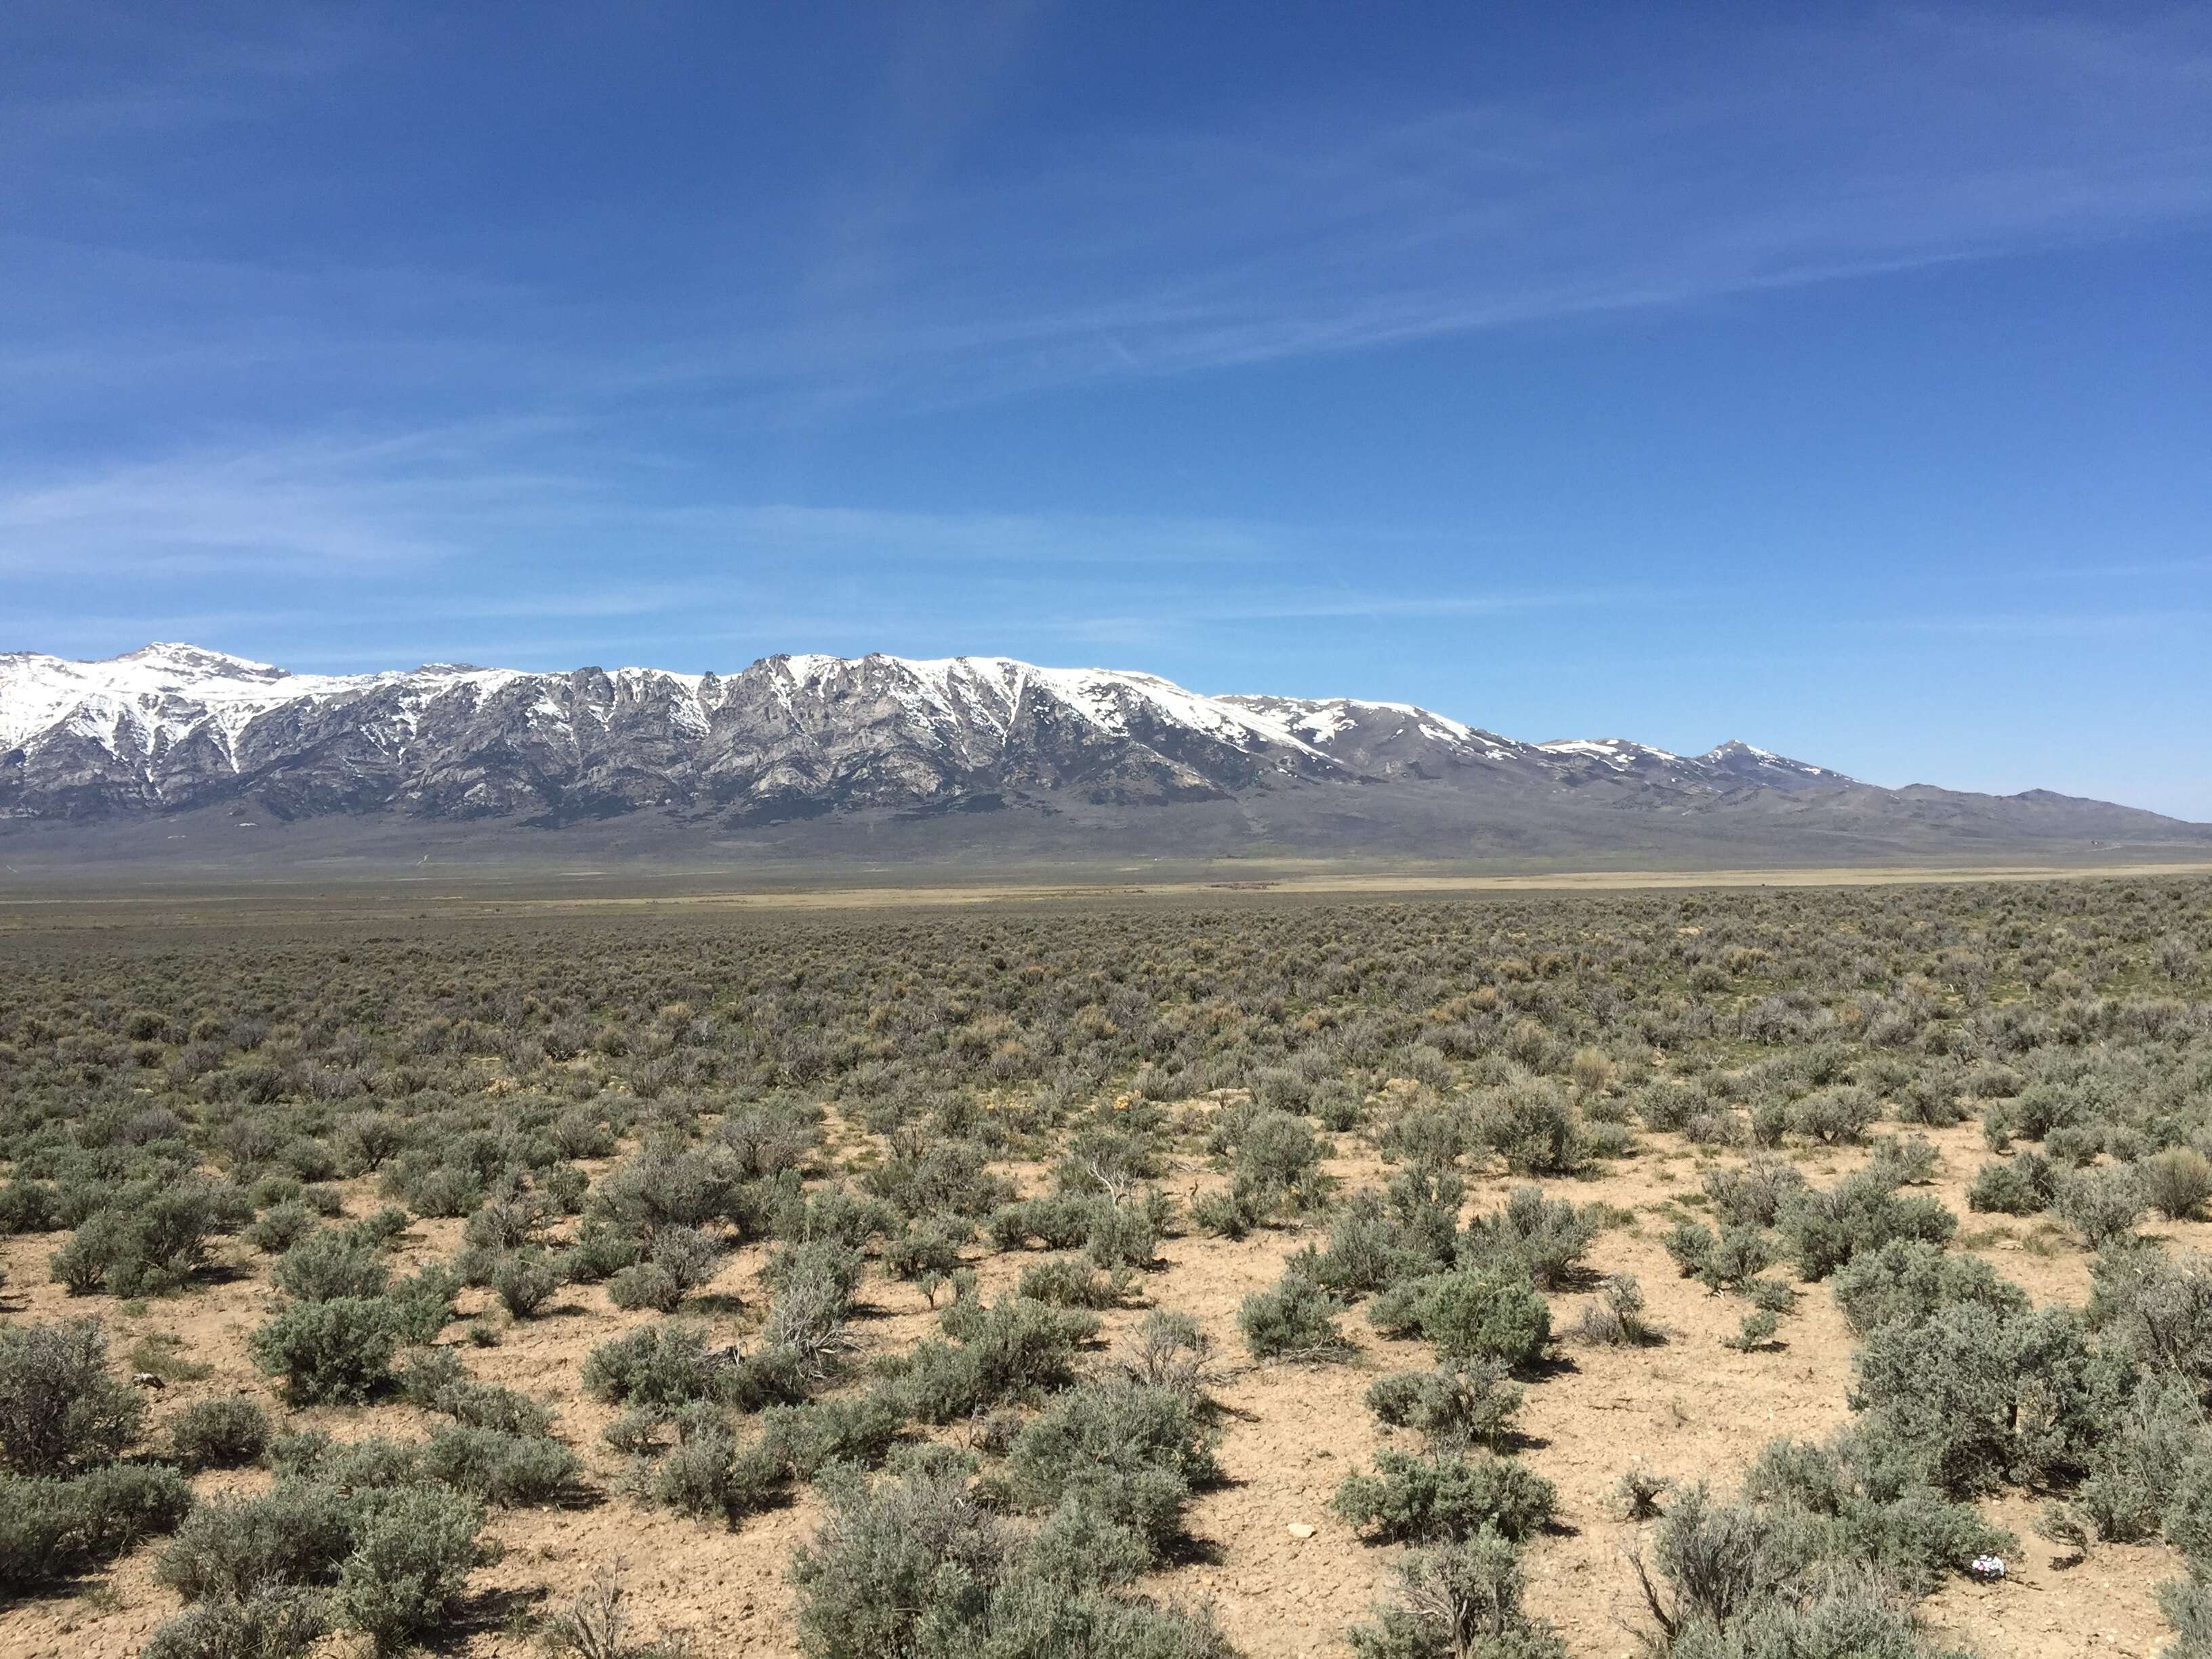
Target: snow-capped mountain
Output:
{"points": [[174, 728]]}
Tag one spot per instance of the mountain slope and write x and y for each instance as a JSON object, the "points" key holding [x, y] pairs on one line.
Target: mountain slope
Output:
{"points": [[796, 740]]}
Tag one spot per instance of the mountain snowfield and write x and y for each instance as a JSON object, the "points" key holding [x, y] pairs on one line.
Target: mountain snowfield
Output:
{"points": [[793, 740]]}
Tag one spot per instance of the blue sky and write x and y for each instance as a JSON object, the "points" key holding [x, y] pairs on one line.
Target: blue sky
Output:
{"points": [[1835, 377]]}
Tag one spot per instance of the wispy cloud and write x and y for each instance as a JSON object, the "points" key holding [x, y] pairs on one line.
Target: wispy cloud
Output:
{"points": [[490, 489], [1885, 141], [316, 505], [1894, 141], [2061, 625]]}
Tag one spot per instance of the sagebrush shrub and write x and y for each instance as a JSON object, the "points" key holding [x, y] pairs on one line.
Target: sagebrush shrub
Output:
{"points": [[1125, 1235], [1544, 1238], [1754, 1194], [1070, 1281], [1904, 1160], [338, 1350], [152, 1244], [709, 1475], [599, 1252], [297, 1533], [2022, 1185], [644, 1285], [925, 1248], [925, 1177], [1619, 1318], [662, 1367], [2101, 1204], [413, 1550], [2135, 1469], [894, 1555], [54, 1528], [509, 1471], [1013, 1349], [1732, 1259], [61, 1408], [2156, 1309], [2187, 1604], [2176, 1182], [1433, 1497], [1295, 1320], [1225, 1214], [217, 1434], [278, 1622], [1481, 1314], [280, 1226], [1826, 1229], [1857, 1619], [1459, 1404], [1277, 1162], [1906, 1280], [1370, 1248], [332, 1263], [526, 1279], [1458, 1600], [666, 1185], [1130, 1452], [1535, 1129], [1171, 1351], [1976, 1396], [436, 1381], [1834, 1114], [351, 1465], [914, 1564], [804, 1440], [1716, 1561]]}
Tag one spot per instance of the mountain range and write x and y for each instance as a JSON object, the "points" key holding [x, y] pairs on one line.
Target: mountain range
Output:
{"points": [[801, 753]]}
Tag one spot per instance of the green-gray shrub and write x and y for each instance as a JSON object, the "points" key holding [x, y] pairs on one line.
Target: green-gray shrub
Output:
{"points": [[709, 1475], [509, 1471], [220, 1434], [1907, 1279], [2023, 1184], [296, 1533], [1458, 1600], [1483, 1314], [1444, 1495], [52, 1528], [1825, 1229], [1295, 1319], [1546, 1239], [279, 1622], [2103, 1205], [1535, 1129], [61, 1408], [1459, 1404], [1129, 1452], [2176, 1182], [413, 1550], [334, 1351], [330, 1263]]}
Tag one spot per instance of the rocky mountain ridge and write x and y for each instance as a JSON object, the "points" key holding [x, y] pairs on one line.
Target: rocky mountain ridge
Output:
{"points": [[175, 728]]}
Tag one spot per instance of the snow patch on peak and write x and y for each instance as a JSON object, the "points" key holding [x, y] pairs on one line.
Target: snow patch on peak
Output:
{"points": [[177, 658], [1618, 752], [1736, 749]]}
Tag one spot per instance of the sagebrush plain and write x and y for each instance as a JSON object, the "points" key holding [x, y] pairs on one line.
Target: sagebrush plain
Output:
{"points": [[1703, 1273]]}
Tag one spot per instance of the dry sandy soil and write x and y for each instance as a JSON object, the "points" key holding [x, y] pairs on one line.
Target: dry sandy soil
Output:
{"points": [[1691, 1408]]}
